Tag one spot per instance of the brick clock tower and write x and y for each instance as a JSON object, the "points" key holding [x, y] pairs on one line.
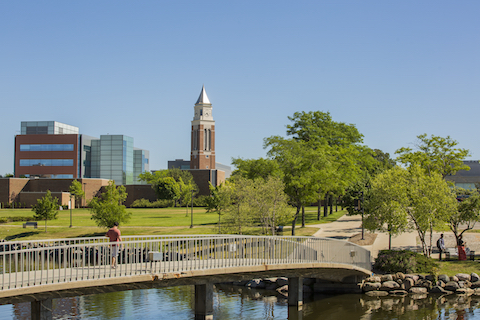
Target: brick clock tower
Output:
{"points": [[202, 155]]}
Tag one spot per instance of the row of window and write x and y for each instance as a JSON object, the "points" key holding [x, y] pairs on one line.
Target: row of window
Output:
{"points": [[46, 147], [46, 162]]}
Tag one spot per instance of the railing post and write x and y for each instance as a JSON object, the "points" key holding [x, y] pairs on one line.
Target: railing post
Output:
{"points": [[41, 310], [295, 291], [204, 301]]}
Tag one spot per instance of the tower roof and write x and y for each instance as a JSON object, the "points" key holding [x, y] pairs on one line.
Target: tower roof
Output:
{"points": [[203, 98]]}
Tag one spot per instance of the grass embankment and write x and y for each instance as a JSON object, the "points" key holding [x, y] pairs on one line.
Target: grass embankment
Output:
{"points": [[453, 267], [154, 221]]}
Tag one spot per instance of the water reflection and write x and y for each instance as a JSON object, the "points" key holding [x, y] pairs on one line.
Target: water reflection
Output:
{"points": [[239, 303]]}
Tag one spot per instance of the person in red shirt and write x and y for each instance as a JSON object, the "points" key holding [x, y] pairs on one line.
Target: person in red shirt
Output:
{"points": [[115, 236]]}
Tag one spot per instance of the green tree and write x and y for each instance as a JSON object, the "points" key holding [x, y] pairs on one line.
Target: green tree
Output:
{"points": [[221, 199], [256, 168], [400, 195], [46, 208], [108, 208], [304, 170], [435, 154], [178, 190], [468, 213], [341, 144], [76, 190]]}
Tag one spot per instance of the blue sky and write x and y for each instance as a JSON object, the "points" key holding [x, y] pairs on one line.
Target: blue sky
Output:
{"points": [[395, 69]]}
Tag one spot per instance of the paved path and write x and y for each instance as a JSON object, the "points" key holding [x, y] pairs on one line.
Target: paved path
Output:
{"points": [[348, 226]]}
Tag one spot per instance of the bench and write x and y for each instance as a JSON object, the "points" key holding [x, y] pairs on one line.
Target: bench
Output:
{"points": [[34, 224], [453, 253]]}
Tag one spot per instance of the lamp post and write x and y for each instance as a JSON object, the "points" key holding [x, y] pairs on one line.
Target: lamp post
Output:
{"points": [[84, 194], [70, 210], [191, 213]]}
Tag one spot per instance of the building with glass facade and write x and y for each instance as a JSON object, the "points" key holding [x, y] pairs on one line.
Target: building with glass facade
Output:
{"points": [[51, 149]]}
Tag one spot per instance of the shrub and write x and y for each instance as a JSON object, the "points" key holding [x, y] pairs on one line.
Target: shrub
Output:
{"points": [[144, 203], [200, 201], [392, 261]]}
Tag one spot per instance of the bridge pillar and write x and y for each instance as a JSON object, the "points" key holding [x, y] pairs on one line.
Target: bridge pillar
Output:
{"points": [[204, 301], [295, 291], [295, 313], [41, 310]]}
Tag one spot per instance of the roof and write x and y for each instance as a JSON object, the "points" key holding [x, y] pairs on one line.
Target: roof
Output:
{"points": [[203, 98]]}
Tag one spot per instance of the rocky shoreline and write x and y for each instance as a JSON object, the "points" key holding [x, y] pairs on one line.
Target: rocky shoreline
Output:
{"points": [[397, 284]]}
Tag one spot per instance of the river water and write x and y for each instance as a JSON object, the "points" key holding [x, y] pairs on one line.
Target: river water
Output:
{"points": [[239, 303]]}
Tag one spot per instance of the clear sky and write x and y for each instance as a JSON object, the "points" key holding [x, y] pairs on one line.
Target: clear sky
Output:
{"points": [[395, 69]]}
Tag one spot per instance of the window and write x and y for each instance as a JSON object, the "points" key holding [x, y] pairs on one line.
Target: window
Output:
{"points": [[46, 162], [46, 147]]}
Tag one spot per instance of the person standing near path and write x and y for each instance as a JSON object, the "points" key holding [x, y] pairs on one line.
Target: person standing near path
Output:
{"points": [[115, 236], [440, 246]]}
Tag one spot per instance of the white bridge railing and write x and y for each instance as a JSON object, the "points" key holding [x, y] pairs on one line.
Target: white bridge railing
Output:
{"points": [[26, 264]]}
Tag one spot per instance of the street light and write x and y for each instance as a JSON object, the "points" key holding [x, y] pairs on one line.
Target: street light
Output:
{"points": [[191, 214], [70, 210], [84, 195]]}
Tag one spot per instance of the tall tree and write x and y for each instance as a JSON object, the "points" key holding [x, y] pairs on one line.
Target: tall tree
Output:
{"points": [[108, 208], [221, 199], [256, 168], [304, 170], [76, 190], [399, 195], [435, 154], [46, 208], [468, 213], [340, 142]]}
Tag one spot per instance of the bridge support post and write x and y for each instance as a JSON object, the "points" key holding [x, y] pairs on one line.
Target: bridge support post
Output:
{"points": [[41, 310], [295, 291], [204, 301]]}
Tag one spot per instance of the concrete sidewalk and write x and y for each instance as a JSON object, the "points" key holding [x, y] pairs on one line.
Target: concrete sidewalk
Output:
{"points": [[348, 226]]}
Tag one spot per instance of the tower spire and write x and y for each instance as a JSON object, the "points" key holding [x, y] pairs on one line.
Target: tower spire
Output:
{"points": [[203, 98]]}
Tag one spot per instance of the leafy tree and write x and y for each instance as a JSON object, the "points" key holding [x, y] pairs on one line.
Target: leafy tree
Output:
{"points": [[108, 208], [340, 142], [256, 168], [180, 189], [400, 195], [304, 170], [435, 154], [221, 199], [46, 208], [468, 213], [76, 190]]}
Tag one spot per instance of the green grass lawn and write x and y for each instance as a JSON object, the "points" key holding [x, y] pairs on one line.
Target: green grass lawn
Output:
{"points": [[453, 267], [143, 222]]}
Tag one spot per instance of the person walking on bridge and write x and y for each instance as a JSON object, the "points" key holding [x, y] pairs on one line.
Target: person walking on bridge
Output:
{"points": [[115, 236]]}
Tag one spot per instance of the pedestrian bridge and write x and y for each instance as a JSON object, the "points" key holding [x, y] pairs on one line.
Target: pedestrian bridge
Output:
{"points": [[41, 270]]}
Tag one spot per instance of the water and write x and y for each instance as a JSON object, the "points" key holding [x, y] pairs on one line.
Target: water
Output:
{"points": [[238, 303]]}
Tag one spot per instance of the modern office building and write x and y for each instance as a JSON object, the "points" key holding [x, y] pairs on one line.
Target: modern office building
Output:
{"points": [[50, 149], [467, 179]]}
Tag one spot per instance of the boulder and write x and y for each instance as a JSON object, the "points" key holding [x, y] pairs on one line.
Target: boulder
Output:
{"points": [[256, 283], [452, 286], [466, 291], [475, 285], [408, 283], [371, 286], [444, 278], [386, 277], [376, 293], [474, 277], [399, 276], [412, 276], [282, 281], [389, 286], [424, 283], [418, 290], [373, 279], [476, 291], [437, 289], [282, 289], [398, 293], [417, 296], [463, 277], [454, 278]]}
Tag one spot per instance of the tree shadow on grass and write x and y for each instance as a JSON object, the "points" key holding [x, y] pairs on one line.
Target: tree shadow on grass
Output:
{"points": [[21, 235], [93, 234]]}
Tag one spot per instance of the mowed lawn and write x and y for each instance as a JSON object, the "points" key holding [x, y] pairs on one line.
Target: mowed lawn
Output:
{"points": [[152, 221]]}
